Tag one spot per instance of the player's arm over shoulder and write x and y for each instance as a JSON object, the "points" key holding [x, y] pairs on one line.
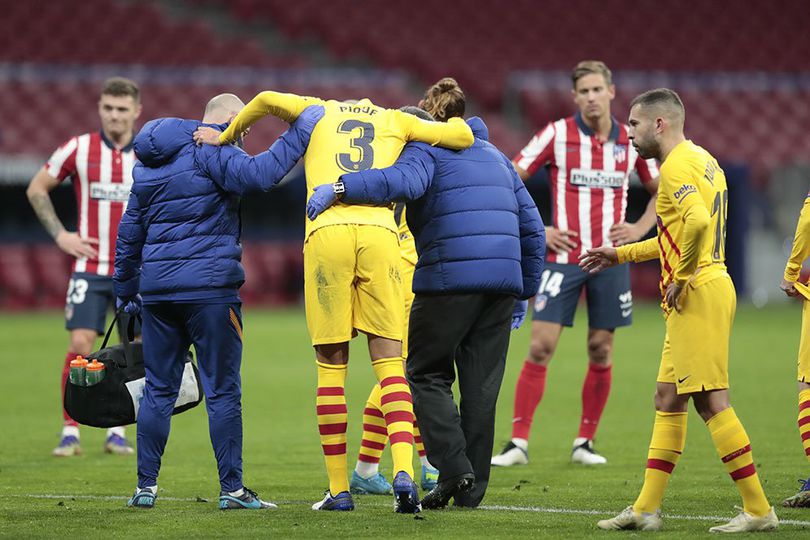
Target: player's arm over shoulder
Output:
{"points": [[454, 134], [285, 106]]}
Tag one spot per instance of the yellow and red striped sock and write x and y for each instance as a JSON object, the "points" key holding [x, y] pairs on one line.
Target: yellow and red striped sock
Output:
{"points": [[666, 446], [734, 448], [804, 420], [375, 434], [397, 407], [332, 417], [417, 440]]}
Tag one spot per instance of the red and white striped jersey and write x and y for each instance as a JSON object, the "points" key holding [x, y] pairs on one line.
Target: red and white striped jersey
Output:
{"points": [[588, 179], [102, 178]]}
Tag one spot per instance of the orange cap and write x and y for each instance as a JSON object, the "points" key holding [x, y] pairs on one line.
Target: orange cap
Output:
{"points": [[95, 365], [78, 361]]}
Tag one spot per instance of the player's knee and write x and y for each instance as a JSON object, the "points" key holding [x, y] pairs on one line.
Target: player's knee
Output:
{"points": [[541, 351], [600, 350], [82, 341]]}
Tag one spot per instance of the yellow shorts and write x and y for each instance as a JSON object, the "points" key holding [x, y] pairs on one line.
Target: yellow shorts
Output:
{"points": [[352, 282], [406, 270], [804, 344], [695, 355]]}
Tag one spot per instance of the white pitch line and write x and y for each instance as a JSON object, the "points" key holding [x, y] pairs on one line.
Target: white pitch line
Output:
{"points": [[536, 509]]}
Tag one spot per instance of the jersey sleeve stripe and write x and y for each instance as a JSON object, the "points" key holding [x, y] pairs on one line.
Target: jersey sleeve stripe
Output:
{"points": [[537, 152], [62, 162]]}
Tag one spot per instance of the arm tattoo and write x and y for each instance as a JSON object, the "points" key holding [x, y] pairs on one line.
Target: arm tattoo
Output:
{"points": [[43, 207]]}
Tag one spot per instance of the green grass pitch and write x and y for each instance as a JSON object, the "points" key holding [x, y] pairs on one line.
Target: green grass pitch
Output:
{"points": [[41, 496]]}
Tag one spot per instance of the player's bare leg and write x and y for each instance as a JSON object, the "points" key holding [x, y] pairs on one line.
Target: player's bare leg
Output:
{"points": [[397, 408], [81, 343], [802, 498], [595, 391], [529, 391]]}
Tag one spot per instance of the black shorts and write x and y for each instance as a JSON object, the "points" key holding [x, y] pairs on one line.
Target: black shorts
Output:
{"points": [[610, 301], [89, 296]]}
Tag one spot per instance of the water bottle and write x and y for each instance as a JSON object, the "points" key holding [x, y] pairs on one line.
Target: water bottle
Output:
{"points": [[78, 367], [95, 372]]}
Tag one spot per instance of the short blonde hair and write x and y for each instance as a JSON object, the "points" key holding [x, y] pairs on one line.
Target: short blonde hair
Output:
{"points": [[587, 67]]}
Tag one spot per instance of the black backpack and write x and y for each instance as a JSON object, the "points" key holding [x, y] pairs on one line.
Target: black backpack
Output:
{"points": [[115, 400]]}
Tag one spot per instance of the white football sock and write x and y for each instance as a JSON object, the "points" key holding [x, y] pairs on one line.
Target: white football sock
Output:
{"points": [[120, 431], [523, 444], [366, 470], [425, 463], [238, 493], [68, 431]]}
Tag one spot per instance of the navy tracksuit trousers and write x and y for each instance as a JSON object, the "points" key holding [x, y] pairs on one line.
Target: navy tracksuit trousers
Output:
{"points": [[215, 330]]}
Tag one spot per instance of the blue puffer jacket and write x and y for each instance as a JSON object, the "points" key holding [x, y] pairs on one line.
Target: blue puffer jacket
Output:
{"points": [[476, 227], [179, 237]]}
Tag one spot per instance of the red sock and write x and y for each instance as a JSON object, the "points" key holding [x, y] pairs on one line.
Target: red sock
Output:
{"points": [[595, 392], [65, 373], [529, 391]]}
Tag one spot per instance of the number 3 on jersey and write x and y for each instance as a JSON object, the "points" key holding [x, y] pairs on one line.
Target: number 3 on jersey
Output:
{"points": [[361, 145]]}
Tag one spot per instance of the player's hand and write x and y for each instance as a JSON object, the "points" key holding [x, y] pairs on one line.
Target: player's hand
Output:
{"points": [[322, 198], [132, 305], [560, 240], [206, 135], [307, 120], [625, 233], [519, 313], [789, 288], [672, 297], [597, 259], [76, 246]]}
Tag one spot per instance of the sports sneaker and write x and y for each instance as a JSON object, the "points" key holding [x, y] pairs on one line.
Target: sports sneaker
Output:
{"points": [[376, 485], [116, 444], [342, 502], [430, 476], [68, 446], [802, 498], [510, 455], [629, 520], [143, 498], [745, 522], [584, 453], [248, 500], [405, 497]]}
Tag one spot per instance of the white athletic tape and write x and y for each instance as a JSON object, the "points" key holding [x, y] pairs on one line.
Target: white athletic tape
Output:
{"points": [[537, 509]]}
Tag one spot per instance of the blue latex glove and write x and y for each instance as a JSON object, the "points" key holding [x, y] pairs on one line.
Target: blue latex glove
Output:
{"points": [[308, 118], [519, 313], [132, 305], [322, 198]]}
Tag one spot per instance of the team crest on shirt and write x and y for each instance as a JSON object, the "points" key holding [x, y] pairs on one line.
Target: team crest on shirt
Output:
{"points": [[620, 153], [540, 302]]}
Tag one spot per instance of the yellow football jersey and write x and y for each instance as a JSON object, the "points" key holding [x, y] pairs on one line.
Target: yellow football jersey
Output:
{"points": [[407, 245], [692, 188], [350, 138], [801, 243]]}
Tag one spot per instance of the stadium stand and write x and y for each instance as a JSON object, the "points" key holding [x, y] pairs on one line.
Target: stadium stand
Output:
{"points": [[49, 80]]}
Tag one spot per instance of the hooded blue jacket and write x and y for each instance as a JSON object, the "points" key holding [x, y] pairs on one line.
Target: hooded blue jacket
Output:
{"points": [[476, 227], [179, 239]]}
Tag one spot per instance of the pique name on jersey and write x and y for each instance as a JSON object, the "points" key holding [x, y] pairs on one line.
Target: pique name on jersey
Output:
{"points": [[357, 109], [110, 192], [597, 178]]}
